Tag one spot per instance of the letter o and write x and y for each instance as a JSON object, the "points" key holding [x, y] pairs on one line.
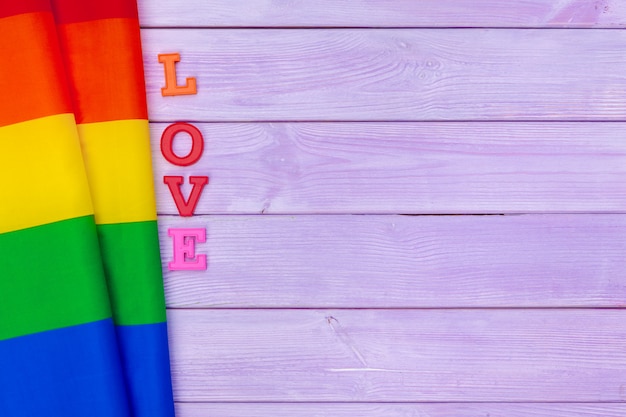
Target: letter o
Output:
{"points": [[167, 142]]}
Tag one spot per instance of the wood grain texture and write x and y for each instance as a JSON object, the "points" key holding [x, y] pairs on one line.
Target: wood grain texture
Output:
{"points": [[400, 410], [402, 261], [390, 75], [408, 168], [398, 355], [391, 13], [343, 315]]}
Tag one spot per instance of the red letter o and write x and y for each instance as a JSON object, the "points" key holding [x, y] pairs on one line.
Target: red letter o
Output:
{"points": [[197, 144]]}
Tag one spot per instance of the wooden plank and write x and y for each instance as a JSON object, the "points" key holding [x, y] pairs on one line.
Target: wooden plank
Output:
{"points": [[407, 13], [403, 167], [402, 261], [399, 355], [390, 75], [399, 410]]}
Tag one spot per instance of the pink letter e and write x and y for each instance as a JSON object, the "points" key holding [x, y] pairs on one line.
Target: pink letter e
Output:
{"points": [[185, 258]]}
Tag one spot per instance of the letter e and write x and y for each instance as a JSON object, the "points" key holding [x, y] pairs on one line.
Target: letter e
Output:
{"points": [[184, 244]]}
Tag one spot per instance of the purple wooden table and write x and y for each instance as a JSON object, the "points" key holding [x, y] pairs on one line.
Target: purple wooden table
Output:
{"points": [[415, 208]]}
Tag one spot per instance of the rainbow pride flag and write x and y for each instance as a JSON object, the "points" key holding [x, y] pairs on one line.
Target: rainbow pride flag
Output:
{"points": [[82, 312], [58, 349], [102, 53]]}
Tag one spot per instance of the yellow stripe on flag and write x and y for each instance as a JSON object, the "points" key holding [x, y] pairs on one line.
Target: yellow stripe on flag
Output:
{"points": [[119, 168], [42, 171]]}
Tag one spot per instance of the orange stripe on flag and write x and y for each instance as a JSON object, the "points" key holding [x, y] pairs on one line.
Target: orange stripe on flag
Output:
{"points": [[31, 67], [104, 58]]}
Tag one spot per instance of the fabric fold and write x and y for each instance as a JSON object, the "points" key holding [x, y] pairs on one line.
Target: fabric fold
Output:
{"points": [[59, 352], [101, 46]]}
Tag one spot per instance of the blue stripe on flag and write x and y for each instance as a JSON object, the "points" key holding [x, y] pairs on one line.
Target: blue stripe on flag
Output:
{"points": [[69, 372], [145, 356]]}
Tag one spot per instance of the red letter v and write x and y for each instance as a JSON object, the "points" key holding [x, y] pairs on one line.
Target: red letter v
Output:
{"points": [[185, 208]]}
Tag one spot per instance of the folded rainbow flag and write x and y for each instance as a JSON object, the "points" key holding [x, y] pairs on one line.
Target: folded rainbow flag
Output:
{"points": [[102, 50], [82, 317], [58, 350]]}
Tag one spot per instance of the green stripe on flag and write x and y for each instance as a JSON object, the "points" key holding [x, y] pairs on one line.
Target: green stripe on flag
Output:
{"points": [[132, 264], [51, 277]]}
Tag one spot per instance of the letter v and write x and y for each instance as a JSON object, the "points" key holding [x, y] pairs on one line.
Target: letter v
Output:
{"points": [[185, 208]]}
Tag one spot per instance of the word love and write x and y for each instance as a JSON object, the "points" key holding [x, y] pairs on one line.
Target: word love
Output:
{"points": [[183, 240]]}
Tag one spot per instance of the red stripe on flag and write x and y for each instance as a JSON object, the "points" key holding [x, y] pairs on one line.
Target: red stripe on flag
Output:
{"points": [[15, 7], [72, 11]]}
